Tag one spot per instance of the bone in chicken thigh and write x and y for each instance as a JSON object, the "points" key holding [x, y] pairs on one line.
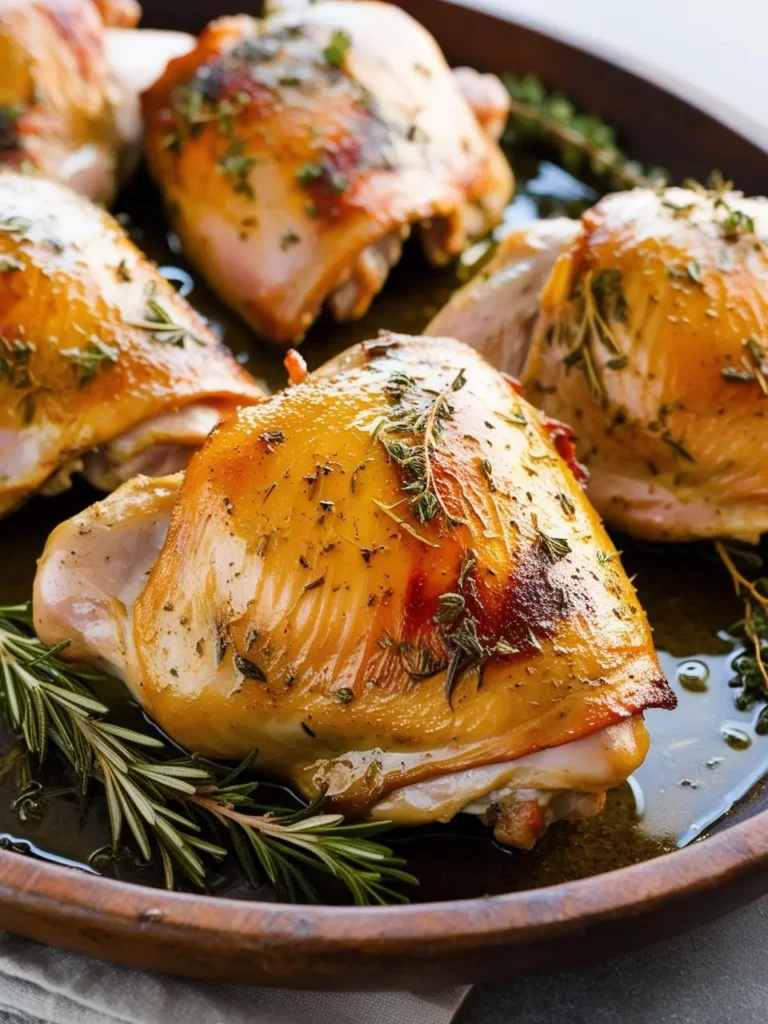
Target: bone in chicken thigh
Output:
{"points": [[295, 154], [386, 578], [643, 326], [58, 101], [104, 369]]}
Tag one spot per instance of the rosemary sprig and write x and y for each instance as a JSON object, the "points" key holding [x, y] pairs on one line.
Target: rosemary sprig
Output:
{"points": [[584, 143], [164, 802], [751, 666]]}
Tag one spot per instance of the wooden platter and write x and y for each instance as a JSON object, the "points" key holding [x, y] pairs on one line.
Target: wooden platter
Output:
{"points": [[461, 940]]}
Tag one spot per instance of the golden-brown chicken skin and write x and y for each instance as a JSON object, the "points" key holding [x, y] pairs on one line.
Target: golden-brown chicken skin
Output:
{"points": [[101, 361], [388, 580], [296, 152], [652, 343], [57, 97]]}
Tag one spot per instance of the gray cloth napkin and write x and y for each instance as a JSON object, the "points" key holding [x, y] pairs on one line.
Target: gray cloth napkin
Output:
{"points": [[41, 985]]}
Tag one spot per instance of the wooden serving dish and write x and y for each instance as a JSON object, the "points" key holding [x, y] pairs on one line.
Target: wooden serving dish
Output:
{"points": [[460, 940]]}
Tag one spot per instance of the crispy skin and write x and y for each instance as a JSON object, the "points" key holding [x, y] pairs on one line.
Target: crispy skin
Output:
{"points": [[284, 168], [71, 276], [676, 450], [288, 610], [56, 95]]}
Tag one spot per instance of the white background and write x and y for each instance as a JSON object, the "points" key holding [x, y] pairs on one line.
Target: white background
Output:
{"points": [[720, 46]]}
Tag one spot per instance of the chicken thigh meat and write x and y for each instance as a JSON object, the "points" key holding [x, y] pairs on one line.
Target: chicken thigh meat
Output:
{"points": [[296, 152], [104, 369], [387, 578], [644, 327]]}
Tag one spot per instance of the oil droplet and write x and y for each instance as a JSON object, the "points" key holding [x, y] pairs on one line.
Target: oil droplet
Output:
{"points": [[736, 737], [693, 675]]}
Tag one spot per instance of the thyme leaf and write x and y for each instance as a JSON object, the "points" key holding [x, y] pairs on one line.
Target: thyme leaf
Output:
{"points": [[90, 358]]}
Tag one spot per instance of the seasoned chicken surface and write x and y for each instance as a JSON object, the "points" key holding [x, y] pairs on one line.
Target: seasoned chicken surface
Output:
{"points": [[57, 97], [387, 578], [652, 343], [496, 311], [650, 340], [296, 152], [103, 367]]}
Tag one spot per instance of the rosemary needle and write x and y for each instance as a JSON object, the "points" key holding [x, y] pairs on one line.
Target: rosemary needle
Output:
{"points": [[164, 802]]}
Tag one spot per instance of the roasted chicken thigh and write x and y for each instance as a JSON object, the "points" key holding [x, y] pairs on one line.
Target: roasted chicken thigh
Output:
{"points": [[386, 578], [296, 152], [58, 99], [651, 341], [103, 367]]}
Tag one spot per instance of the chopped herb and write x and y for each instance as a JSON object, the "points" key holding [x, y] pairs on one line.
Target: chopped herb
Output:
{"points": [[468, 564], [315, 583], [162, 324], [15, 225], [15, 357], [694, 271], [335, 52], [236, 166], [754, 366], [449, 607], [554, 548], [309, 173], [90, 358], [343, 695], [288, 239], [487, 469], [123, 271], [677, 446], [8, 264], [565, 503], [249, 668]]}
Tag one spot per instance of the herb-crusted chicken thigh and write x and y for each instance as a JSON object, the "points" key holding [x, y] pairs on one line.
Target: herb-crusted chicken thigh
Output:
{"points": [[104, 369], [650, 339], [296, 152], [386, 578], [58, 100]]}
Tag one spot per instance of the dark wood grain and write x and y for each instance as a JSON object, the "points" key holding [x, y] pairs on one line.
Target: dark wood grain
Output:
{"points": [[463, 940]]}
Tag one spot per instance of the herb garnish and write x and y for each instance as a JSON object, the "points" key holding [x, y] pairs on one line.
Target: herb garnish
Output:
{"points": [[14, 362], [336, 50], [423, 426], [90, 358], [751, 668], [236, 166], [585, 144], [162, 324], [600, 301], [554, 548], [15, 225], [754, 363], [164, 802]]}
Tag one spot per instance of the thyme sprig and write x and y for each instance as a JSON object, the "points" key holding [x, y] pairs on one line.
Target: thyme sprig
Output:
{"points": [[584, 143], [164, 803], [600, 303], [751, 665], [754, 366], [160, 322], [410, 437]]}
